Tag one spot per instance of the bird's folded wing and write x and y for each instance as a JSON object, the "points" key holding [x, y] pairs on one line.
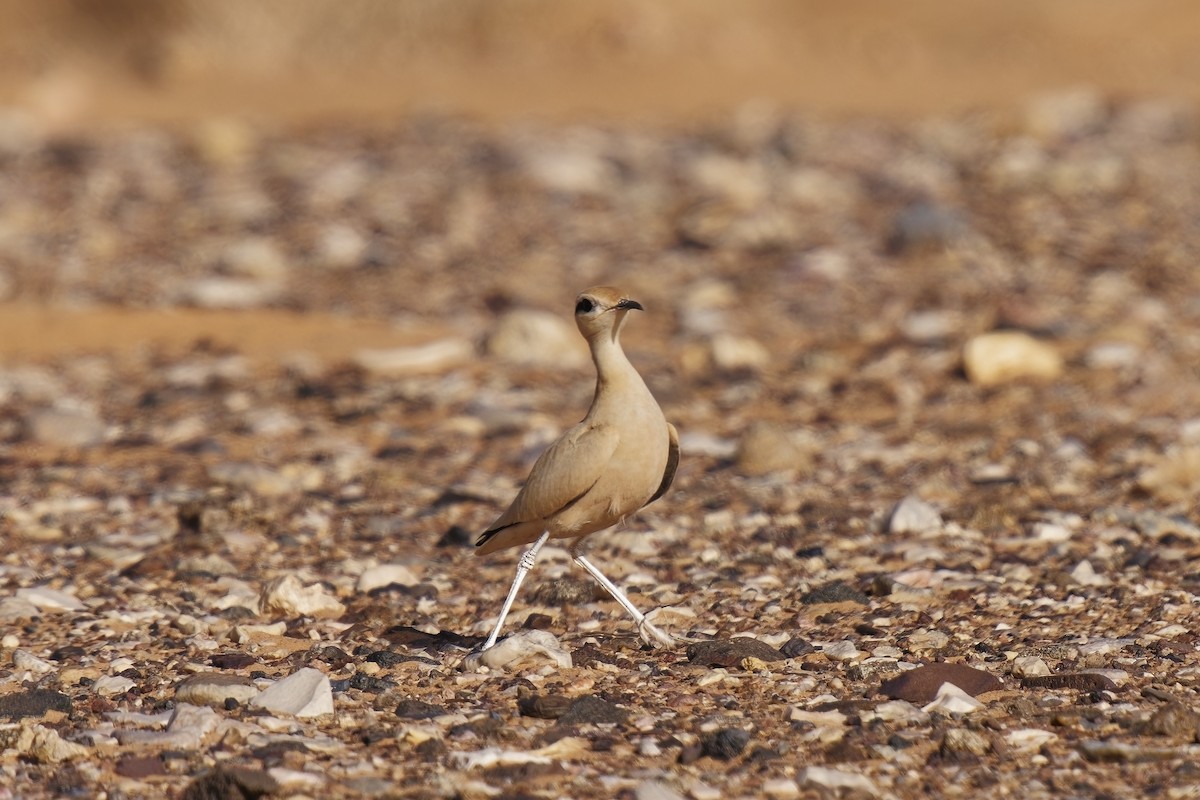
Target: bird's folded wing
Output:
{"points": [[563, 474], [672, 463]]}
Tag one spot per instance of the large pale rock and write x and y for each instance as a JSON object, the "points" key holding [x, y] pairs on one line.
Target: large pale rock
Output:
{"points": [[385, 575], [288, 597], [39, 744], [305, 693], [991, 359], [538, 338]]}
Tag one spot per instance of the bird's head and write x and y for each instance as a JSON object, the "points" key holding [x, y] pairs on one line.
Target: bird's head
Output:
{"points": [[601, 310]]}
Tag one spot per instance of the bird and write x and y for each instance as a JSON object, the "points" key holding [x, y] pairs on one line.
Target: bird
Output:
{"points": [[619, 458]]}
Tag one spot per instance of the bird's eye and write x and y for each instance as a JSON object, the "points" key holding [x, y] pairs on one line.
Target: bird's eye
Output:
{"points": [[584, 305]]}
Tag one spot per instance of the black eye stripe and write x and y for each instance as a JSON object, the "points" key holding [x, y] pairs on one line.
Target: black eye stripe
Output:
{"points": [[584, 306]]}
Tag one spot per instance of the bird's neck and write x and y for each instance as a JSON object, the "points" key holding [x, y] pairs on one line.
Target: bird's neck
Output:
{"points": [[612, 366]]}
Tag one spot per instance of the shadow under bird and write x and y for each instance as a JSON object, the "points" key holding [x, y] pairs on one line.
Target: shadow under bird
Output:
{"points": [[621, 457]]}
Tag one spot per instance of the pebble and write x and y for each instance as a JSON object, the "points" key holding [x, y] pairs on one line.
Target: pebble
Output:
{"points": [[43, 598], [518, 648], [1173, 477], [1029, 667], [730, 653], [304, 693], [288, 597], [1028, 738], [913, 515], [732, 353], [111, 685], [214, 688], [837, 780], [1085, 575], [959, 741], [385, 575], [229, 293], [766, 448], [537, 338], [835, 592], [1114, 752], [25, 661], [655, 790], [228, 781], [724, 744], [1174, 720], [33, 703], [592, 710], [841, 651], [922, 685], [187, 727], [991, 359], [39, 744], [950, 699], [66, 428], [1078, 681], [438, 356]]}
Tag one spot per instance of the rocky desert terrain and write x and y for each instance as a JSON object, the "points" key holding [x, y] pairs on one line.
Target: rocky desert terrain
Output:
{"points": [[936, 375]]}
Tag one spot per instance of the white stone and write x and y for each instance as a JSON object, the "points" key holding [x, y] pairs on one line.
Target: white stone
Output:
{"points": [[841, 651], [735, 353], [1028, 738], [518, 647], [110, 685], [1003, 356], [305, 693], [952, 700], [46, 599], [385, 575], [1029, 667], [914, 515], [230, 293], [782, 788], [655, 790], [1085, 575], [39, 744], [1051, 532], [26, 661], [287, 596], [837, 780], [432, 357], [187, 728]]}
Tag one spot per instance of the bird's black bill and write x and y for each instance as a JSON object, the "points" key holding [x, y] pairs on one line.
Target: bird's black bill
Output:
{"points": [[628, 304]]}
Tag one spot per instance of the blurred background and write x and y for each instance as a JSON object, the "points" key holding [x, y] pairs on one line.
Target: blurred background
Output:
{"points": [[82, 61]]}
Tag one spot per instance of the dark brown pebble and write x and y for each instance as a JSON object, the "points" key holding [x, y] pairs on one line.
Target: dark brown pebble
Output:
{"points": [[731, 652], [1079, 681], [725, 744], [227, 783], [796, 647], [835, 592], [418, 709], [919, 686], [33, 703], [232, 660], [543, 706], [594, 710]]}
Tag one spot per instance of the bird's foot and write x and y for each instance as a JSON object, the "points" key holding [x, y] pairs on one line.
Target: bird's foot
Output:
{"points": [[655, 637]]}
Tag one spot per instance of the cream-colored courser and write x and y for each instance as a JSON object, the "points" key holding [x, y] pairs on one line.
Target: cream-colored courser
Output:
{"points": [[619, 458]]}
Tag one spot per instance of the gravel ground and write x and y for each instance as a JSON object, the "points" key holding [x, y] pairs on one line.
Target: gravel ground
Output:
{"points": [[933, 534]]}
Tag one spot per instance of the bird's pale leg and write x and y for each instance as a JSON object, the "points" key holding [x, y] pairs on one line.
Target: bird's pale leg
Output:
{"points": [[650, 634], [523, 566]]}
